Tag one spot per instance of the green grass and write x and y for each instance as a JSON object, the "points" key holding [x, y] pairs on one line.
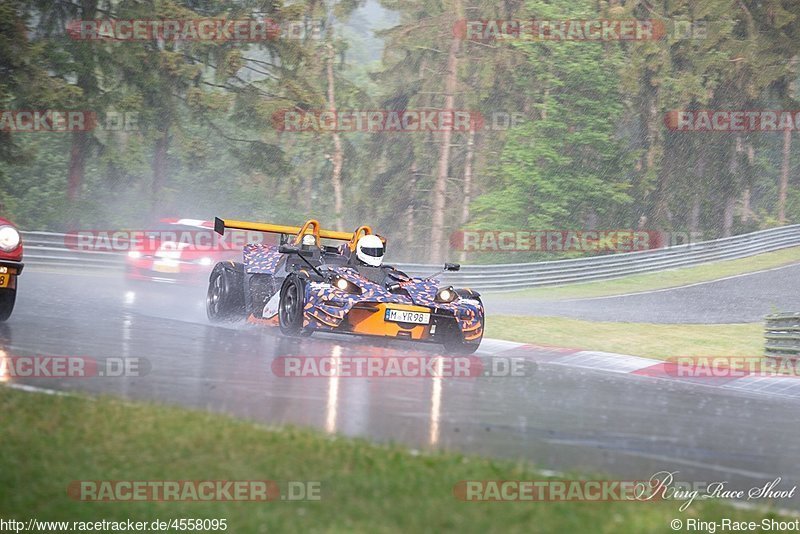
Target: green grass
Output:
{"points": [[664, 279], [49, 441], [640, 339]]}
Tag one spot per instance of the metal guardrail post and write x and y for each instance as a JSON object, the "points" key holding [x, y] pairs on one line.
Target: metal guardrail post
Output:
{"points": [[782, 334]]}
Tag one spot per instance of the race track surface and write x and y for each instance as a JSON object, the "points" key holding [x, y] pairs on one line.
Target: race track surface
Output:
{"points": [[561, 418], [743, 299]]}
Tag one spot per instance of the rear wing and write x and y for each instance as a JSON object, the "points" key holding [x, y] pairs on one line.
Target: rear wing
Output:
{"points": [[310, 227]]}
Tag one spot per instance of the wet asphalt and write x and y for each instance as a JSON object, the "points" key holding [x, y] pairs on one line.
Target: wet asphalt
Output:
{"points": [[559, 418], [742, 299]]}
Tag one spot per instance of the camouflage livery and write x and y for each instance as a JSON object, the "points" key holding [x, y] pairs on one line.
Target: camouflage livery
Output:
{"points": [[261, 259], [326, 307], [305, 286]]}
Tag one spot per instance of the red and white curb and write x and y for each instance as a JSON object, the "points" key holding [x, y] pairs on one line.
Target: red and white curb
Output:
{"points": [[636, 366]]}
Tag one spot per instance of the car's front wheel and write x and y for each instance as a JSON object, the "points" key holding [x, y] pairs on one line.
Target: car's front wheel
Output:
{"points": [[290, 308], [225, 298], [454, 342], [7, 299]]}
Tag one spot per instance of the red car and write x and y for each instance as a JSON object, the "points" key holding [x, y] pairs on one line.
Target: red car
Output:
{"points": [[10, 266], [179, 251]]}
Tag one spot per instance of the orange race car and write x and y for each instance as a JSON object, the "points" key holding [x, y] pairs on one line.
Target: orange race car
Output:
{"points": [[305, 285]]}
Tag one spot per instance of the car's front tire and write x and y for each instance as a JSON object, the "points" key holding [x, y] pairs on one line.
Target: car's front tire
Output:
{"points": [[454, 342], [225, 298], [7, 299], [290, 308]]}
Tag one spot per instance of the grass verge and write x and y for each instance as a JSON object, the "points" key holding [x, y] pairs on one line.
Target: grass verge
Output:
{"points": [[640, 339], [49, 441], [664, 279]]}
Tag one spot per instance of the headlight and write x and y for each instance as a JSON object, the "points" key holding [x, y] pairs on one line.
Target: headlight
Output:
{"points": [[343, 285], [205, 261], [446, 294], [9, 238], [134, 254]]}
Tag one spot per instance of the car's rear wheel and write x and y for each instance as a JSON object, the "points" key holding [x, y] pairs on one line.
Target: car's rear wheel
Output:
{"points": [[225, 299], [7, 299], [290, 308]]}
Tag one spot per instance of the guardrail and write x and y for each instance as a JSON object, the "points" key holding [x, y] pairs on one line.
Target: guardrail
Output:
{"points": [[782, 334], [47, 248], [509, 277]]}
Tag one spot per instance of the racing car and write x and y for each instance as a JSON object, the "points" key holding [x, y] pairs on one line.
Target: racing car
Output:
{"points": [[303, 285], [10, 267], [176, 251]]}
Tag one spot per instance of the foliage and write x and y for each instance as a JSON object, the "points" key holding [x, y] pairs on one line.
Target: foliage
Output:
{"points": [[590, 148]]}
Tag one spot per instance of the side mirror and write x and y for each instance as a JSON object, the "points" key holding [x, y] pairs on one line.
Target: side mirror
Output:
{"points": [[452, 267], [288, 249]]}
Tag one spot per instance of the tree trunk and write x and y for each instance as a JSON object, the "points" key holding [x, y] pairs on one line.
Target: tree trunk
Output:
{"points": [[338, 154], [440, 187], [746, 210], [87, 82], [77, 164], [784, 187], [159, 164], [694, 215], [410, 209], [306, 193], [467, 185], [727, 216], [700, 177], [661, 214], [747, 196], [651, 145], [729, 188], [652, 131]]}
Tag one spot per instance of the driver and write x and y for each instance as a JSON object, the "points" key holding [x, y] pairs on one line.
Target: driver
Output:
{"points": [[368, 259], [369, 251], [309, 242]]}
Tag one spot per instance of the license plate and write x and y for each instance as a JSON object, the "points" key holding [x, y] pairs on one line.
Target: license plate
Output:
{"points": [[165, 267], [402, 316], [5, 279]]}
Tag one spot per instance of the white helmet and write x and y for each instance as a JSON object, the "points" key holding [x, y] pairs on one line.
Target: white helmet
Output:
{"points": [[370, 250]]}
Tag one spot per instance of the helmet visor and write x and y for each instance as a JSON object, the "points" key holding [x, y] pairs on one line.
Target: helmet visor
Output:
{"points": [[374, 252]]}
